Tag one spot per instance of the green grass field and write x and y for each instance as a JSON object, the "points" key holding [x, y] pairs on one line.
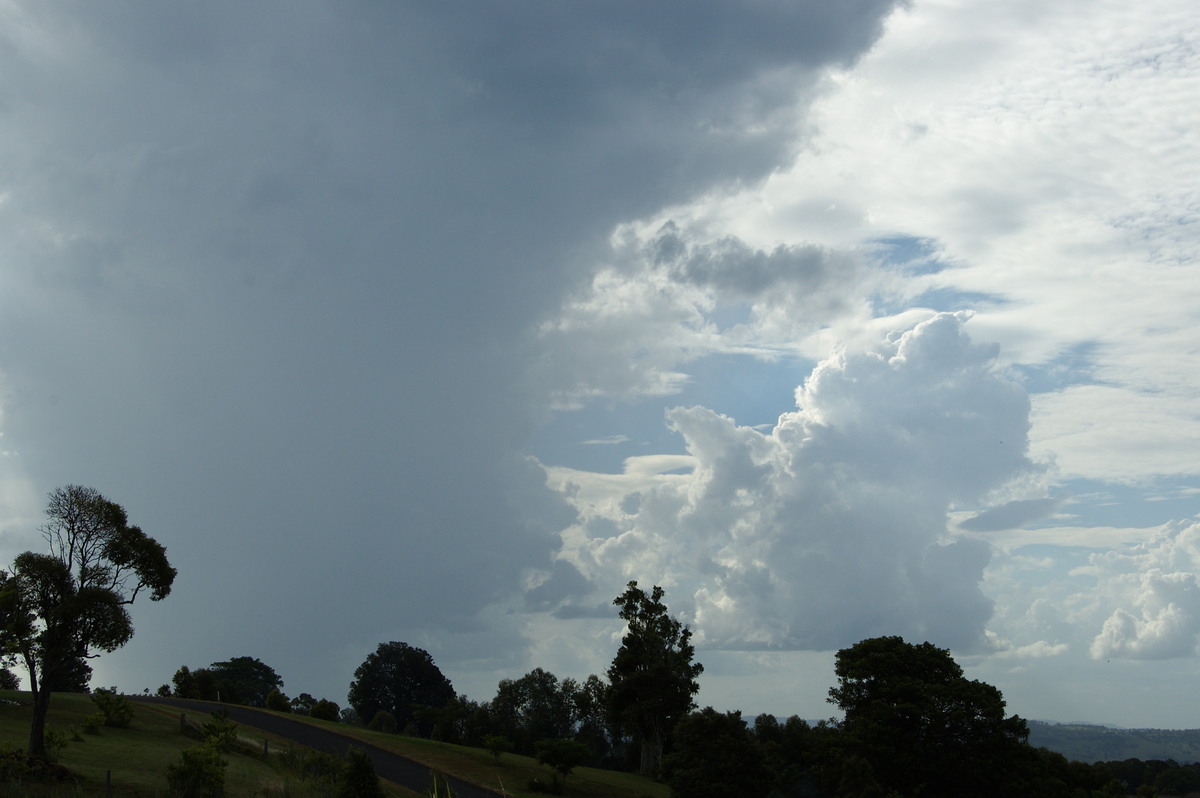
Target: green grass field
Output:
{"points": [[137, 758], [513, 772]]}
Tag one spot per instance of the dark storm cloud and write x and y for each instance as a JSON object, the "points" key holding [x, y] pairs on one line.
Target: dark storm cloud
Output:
{"points": [[271, 267]]}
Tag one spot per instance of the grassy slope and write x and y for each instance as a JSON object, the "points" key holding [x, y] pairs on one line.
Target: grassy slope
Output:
{"points": [[512, 774], [138, 757]]}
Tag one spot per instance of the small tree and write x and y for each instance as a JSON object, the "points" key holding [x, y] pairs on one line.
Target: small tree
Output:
{"points": [[118, 712], [383, 721], [715, 756], [358, 779], [200, 773], [303, 703], [245, 680], [60, 607], [278, 702], [399, 678], [562, 755], [325, 710], [497, 744]]}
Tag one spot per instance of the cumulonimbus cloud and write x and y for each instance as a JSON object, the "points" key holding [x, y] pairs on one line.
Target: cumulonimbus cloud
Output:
{"points": [[832, 525]]}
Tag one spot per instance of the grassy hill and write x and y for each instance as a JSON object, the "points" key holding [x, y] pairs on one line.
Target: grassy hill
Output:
{"points": [[510, 775], [1086, 743], [138, 756]]}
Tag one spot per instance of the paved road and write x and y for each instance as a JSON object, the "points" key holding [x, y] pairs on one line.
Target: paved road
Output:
{"points": [[388, 765]]}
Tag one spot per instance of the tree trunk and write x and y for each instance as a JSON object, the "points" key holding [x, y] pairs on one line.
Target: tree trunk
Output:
{"points": [[651, 751], [37, 729]]}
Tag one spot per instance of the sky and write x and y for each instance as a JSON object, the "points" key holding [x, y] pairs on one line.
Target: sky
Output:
{"points": [[440, 323]]}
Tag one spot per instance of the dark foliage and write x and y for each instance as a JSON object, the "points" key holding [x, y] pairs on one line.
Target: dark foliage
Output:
{"points": [[922, 725], [399, 678], [57, 608], [652, 677], [715, 756], [562, 755], [245, 680], [74, 676], [326, 710], [358, 779]]}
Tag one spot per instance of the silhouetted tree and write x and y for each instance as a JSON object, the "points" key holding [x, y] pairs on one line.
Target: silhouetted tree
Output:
{"points": [[534, 707], [245, 680], [923, 726], [715, 756], [652, 677], [60, 607], [326, 710], [399, 678]]}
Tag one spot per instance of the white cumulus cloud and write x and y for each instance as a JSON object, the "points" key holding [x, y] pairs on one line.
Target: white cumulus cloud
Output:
{"points": [[832, 525]]}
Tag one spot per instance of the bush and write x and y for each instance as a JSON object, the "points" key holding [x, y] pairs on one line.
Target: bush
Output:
{"points": [[221, 733], [199, 774], [93, 722], [14, 765], [497, 744], [55, 741], [357, 778], [562, 755], [321, 769], [118, 713], [383, 721], [278, 702], [325, 710]]}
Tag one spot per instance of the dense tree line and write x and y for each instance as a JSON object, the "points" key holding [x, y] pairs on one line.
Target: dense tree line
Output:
{"points": [[912, 723]]}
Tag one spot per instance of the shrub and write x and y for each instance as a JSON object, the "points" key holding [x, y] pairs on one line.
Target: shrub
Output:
{"points": [[55, 742], [93, 722], [325, 710], [118, 712], [278, 701], [357, 778], [562, 755], [199, 774], [497, 744], [221, 733], [383, 721], [14, 765]]}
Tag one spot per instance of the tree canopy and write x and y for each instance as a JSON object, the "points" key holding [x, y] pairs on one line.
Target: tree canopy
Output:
{"points": [[245, 680], [922, 725], [714, 756], [399, 678], [58, 608], [652, 676]]}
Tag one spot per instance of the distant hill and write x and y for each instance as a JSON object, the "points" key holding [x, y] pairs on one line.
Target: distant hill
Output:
{"points": [[1086, 743]]}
